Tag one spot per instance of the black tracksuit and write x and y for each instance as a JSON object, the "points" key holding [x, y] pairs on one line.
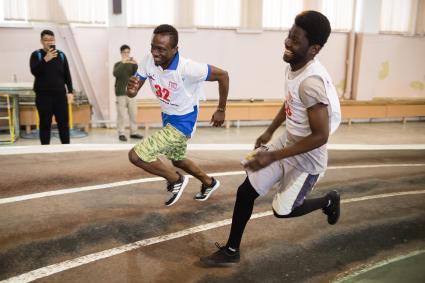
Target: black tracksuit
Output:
{"points": [[49, 86]]}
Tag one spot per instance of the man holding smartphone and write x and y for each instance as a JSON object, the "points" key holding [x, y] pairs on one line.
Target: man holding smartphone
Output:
{"points": [[123, 70], [51, 71]]}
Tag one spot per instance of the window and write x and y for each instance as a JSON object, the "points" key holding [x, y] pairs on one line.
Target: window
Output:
{"points": [[339, 13], [395, 15], [280, 13], [217, 13], [80, 11], [150, 12], [85, 11], [13, 11]]}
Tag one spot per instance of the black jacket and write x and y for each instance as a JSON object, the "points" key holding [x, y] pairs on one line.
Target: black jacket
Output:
{"points": [[52, 76]]}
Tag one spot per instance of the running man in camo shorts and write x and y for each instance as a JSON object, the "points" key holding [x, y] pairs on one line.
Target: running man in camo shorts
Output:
{"points": [[177, 83], [297, 160]]}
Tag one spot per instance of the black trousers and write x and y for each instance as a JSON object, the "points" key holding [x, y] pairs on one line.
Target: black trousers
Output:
{"points": [[48, 105]]}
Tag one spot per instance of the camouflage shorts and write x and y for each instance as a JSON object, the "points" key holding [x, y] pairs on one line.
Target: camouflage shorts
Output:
{"points": [[168, 141]]}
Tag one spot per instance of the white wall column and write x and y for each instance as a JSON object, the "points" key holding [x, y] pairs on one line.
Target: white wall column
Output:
{"points": [[368, 15]]}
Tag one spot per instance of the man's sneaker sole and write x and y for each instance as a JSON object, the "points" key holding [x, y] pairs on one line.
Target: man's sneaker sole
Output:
{"points": [[221, 258], [185, 181], [211, 263], [217, 184]]}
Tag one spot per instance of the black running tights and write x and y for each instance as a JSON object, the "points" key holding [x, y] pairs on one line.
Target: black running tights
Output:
{"points": [[244, 205]]}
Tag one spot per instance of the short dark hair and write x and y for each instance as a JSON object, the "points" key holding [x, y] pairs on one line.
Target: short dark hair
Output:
{"points": [[123, 47], [46, 32], [169, 30], [316, 26]]}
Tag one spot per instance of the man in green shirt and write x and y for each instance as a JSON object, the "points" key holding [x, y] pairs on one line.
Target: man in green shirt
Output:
{"points": [[123, 70]]}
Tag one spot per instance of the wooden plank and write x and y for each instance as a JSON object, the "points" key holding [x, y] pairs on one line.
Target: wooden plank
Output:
{"points": [[405, 110], [149, 112], [252, 111], [81, 115], [363, 111]]}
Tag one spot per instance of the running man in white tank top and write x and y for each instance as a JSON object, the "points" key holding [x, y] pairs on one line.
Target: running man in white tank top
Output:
{"points": [[177, 84], [296, 160]]}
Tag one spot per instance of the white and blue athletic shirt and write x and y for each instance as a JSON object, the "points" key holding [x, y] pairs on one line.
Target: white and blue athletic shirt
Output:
{"points": [[178, 89]]}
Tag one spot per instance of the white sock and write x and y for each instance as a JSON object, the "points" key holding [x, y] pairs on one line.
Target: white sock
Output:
{"points": [[329, 203], [232, 249]]}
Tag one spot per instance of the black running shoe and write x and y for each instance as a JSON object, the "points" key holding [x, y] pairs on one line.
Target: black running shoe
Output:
{"points": [[223, 257], [333, 210], [136, 136], [176, 189], [206, 191]]}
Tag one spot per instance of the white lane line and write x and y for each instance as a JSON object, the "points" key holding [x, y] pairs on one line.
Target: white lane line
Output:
{"points": [[55, 148], [62, 266], [381, 196], [100, 187], [376, 146], [32, 149], [156, 179], [375, 166], [76, 190]]}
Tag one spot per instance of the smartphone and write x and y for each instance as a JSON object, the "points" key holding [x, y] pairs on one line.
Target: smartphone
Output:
{"points": [[52, 46]]}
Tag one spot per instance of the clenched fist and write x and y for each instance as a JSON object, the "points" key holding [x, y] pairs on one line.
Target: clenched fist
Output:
{"points": [[133, 86]]}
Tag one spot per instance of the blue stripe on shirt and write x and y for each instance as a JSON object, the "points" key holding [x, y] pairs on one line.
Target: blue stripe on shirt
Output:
{"points": [[184, 123], [209, 73], [140, 76]]}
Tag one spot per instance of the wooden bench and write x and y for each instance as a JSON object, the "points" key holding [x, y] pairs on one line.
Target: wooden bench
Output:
{"points": [[385, 108], [149, 111], [81, 115]]}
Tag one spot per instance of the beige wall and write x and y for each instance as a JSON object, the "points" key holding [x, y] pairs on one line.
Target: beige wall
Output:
{"points": [[253, 60], [390, 66], [92, 45], [16, 46]]}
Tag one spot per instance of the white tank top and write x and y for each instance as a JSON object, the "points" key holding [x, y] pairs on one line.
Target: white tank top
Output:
{"points": [[296, 113]]}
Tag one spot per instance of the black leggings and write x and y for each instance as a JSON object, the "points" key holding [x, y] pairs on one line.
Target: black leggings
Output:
{"points": [[48, 105], [244, 205]]}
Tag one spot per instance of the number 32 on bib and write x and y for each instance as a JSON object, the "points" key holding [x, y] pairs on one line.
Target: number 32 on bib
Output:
{"points": [[162, 93]]}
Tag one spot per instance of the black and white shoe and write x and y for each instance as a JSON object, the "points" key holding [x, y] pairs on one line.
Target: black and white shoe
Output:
{"points": [[223, 257], [136, 136], [206, 191], [176, 189], [333, 210]]}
